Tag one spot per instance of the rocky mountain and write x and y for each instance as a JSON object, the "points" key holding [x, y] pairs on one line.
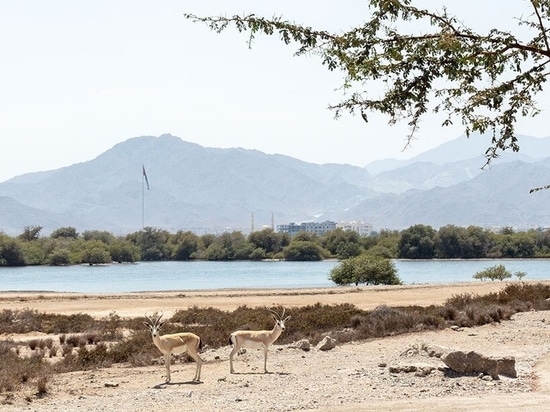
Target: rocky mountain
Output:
{"points": [[211, 190], [494, 198]]}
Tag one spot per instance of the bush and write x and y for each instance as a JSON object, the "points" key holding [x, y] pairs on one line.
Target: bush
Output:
{"points": [[303, 250], [497, 272], [16, 371], [368, 269]]}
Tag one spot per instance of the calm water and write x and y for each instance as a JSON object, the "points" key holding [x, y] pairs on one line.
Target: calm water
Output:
{"points": [[159, 276]]}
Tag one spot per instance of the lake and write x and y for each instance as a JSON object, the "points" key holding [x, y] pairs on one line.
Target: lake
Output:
{"points": [[165, 276]]}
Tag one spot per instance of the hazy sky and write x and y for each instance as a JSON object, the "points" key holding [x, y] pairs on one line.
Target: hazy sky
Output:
{"points": [[79, 77]]}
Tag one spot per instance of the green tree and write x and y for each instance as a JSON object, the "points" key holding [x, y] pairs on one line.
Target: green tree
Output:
{"points": [[30, 233], [270, 241], [342, 243], [123, 251], [348, 249], [306, 237], [417, 242], [216, 251], [11, 252], [367, 269], [33, 253], [406, 62], [509, 244], [186, 245], [448, 242], [519, 245], [67, 232], [153, 243], [207, 239], [60, 257], [101, 235], [303, 250], [94, 252], [375, 270], [542, 242], [258, 254], [239, 246], [383, 244], [344, 273], [476, 243], [229, 246]]}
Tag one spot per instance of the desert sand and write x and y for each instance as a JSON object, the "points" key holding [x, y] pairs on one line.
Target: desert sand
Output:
{"points": [[357, 376]]}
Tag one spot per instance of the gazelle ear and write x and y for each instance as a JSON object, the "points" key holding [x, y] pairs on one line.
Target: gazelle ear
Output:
{"points": [[147, 324], [287, 318]]}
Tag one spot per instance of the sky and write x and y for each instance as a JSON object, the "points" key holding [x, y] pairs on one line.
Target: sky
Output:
{"points": [[79, 77]]}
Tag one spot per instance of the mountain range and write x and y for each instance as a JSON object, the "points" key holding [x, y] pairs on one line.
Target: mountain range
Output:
{"points": [[208, 190]]}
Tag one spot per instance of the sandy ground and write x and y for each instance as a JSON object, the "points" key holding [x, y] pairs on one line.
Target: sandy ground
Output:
{"points": [[359, 376]]}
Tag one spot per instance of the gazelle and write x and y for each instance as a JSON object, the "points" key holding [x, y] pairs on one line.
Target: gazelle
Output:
{"points": [[256, 339], [175, 343]]}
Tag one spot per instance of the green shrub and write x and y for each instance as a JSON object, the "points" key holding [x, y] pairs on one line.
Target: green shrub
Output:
{"points": [[367, 269], [497, 272]]}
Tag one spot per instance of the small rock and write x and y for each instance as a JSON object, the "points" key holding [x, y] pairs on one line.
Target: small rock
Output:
{"points": [[327, 343], [469, 362], [303, 344]]}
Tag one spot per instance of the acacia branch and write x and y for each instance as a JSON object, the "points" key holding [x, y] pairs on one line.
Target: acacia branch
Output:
{"points": [[489, 79], [541, 26]]}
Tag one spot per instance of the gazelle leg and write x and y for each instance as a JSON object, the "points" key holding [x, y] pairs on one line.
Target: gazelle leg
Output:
{"points": [[167, 358], [265, 359], [198, 360], [233, 352]]}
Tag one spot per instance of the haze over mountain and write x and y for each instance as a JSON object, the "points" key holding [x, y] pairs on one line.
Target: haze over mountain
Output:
{"points": [[210, 190]]}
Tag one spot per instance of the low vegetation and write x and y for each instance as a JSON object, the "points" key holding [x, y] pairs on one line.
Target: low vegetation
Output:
{"points": [[497, 272], [83, 343]]}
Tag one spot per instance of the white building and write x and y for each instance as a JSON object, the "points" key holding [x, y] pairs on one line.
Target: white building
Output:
{"points": [[362, 228]]}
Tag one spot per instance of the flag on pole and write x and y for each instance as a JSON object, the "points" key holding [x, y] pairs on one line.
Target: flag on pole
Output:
{"points": [[145, 176]]}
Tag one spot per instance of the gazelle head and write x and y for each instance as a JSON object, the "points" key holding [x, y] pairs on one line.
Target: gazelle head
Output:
{"points": [[154, 325], [279, 320]]}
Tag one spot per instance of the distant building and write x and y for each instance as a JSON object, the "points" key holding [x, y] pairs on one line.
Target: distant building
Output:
{"points": [[362, 228], [318, 228]]}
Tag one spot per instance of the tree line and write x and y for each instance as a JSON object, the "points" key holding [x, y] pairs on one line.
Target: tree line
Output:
{"points": [[65, 246]]}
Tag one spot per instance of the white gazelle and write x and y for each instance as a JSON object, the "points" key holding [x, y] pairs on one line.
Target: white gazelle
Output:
{"points": [[257, 339], [175, 343]]}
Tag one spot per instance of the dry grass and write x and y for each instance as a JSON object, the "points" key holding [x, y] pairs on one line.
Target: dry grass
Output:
{"points": [[86, 343]]}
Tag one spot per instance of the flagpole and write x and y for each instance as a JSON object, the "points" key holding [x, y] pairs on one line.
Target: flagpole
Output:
{"points": [[142, 201], [144, 181]]}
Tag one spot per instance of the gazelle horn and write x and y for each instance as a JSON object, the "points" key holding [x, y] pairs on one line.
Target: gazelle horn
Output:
{"points": [[274, 313]]}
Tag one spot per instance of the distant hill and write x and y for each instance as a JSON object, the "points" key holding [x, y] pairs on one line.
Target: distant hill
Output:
{"points": [[211, 190], [466, 149], [496, 197]]}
